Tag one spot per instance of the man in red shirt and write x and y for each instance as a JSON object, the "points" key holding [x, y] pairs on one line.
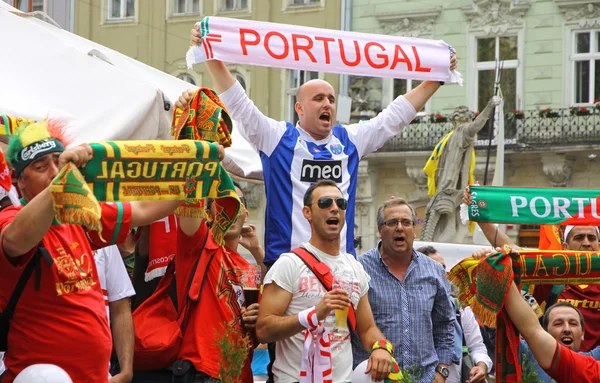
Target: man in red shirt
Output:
{"points": [[60, 318], [586, 298], [560, 362], [214, 300]]}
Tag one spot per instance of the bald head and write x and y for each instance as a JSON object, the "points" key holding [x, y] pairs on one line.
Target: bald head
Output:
{"points": [[309, 87], [315, 106]]}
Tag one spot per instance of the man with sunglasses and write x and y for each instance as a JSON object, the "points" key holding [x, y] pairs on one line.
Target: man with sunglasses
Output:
{"points": [[294, 298], [410, 297]]}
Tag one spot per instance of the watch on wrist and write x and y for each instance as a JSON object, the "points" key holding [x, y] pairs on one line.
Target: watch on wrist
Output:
{"points": [[443, 371]]}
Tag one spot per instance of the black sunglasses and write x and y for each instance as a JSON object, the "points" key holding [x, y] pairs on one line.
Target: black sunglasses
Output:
{"points": [[326, 202]]}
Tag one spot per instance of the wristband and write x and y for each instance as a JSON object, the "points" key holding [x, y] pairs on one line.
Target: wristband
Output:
{"points": [[442, 82], [384, 344], [308, 318]]}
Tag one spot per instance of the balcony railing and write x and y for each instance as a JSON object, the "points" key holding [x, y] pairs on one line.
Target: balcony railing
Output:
{"points": [[528, 130]]}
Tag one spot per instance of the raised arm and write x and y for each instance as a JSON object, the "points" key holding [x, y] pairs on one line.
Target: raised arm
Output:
{"points": [[492, 232], [541, 343], [485, 114], [419, 96], [29, 226], [220, 75], [32, 222]]}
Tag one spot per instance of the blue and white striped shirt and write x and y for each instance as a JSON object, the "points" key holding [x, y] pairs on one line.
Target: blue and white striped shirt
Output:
{"points": [[416, 315]]}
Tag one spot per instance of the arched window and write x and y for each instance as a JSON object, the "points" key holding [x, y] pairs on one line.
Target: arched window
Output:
{"points": [[187, 78], [241, 80]]}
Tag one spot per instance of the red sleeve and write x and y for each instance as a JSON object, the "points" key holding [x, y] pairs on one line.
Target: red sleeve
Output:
{"points": [[188, 245], [570, 366], [116, 224], [6, 217]]}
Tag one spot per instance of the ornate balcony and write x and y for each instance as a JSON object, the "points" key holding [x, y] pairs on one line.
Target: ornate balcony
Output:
{"points": [[528, 130]]}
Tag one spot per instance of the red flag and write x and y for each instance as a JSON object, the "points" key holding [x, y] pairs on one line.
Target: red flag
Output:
{"points": [[162, 247], [5, 178]]}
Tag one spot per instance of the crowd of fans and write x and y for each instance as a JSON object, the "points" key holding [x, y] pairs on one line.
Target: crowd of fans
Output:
{"points": [[90, 309]]}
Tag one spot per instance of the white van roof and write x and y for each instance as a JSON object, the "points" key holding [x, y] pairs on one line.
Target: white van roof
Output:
{"points": [[452, 252]]}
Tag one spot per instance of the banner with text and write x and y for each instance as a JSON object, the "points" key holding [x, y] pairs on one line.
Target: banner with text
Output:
{"points": [[322, 50], [552, 206]]}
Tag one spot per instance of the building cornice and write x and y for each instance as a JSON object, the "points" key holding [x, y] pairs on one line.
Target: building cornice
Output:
{"points": [[584, 14], [496, 17], [415, 23]]}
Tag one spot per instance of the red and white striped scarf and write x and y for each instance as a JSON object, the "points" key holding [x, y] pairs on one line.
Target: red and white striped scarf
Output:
{"points": [[316, 358]]}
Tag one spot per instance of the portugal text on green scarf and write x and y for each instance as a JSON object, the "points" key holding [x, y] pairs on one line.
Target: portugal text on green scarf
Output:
{"points": [[557, 206]]}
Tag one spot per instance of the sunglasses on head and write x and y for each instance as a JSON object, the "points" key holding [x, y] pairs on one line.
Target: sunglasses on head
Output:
{"points": [[326, 202]]}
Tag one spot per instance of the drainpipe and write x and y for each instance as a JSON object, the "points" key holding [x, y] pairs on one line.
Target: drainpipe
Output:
{"points": [[72, 17], [346, 21]]}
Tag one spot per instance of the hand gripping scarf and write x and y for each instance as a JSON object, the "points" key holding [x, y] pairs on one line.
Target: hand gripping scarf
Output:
{"points": [[484, 285], [316, 366], [553, 206], [206, 119]]}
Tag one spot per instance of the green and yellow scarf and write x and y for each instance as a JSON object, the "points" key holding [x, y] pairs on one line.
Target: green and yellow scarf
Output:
{"points": [[145, 170]]}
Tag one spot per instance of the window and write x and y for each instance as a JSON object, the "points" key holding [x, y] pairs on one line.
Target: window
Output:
{"points": [[585, 60], [489, 50], [234, 5], [182, 7], [121, 9], [187, 78], [401, 87], [27, 5], [241, 80], [304, 2], [367, 96], [297, 78]]}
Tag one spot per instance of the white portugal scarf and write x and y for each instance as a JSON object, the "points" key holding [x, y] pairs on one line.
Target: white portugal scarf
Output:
{"points": [[316, 364], [322, 50]]}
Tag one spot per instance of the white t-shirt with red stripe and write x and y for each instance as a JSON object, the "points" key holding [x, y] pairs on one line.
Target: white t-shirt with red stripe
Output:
{"points": [[113, 277], [291, 274]]}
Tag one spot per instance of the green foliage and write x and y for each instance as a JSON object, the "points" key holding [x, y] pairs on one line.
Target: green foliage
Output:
{"points": [[234, 347], [412, 375], [528, 373]]}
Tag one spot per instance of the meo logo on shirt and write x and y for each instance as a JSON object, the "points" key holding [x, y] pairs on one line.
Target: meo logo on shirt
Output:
{"points": [[312, 171]]}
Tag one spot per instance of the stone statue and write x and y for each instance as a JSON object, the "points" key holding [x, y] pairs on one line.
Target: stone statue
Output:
{"points": [[442, 219]]}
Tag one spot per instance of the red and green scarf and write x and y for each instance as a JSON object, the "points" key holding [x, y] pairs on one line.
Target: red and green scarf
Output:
{"points": [[206, 119], [484, 286], [553, 206]]}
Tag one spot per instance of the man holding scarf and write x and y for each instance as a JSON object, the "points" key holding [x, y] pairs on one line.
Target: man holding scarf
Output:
{"points": [[562, 363], [294, 157], [578, 238], [60, 318]]}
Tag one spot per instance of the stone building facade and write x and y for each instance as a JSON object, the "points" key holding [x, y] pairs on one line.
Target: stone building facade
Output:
{"points": [[549, 48]]}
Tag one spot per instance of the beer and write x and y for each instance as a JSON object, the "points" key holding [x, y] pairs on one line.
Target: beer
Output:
{"points": [[341, 318], [250, 295]]}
